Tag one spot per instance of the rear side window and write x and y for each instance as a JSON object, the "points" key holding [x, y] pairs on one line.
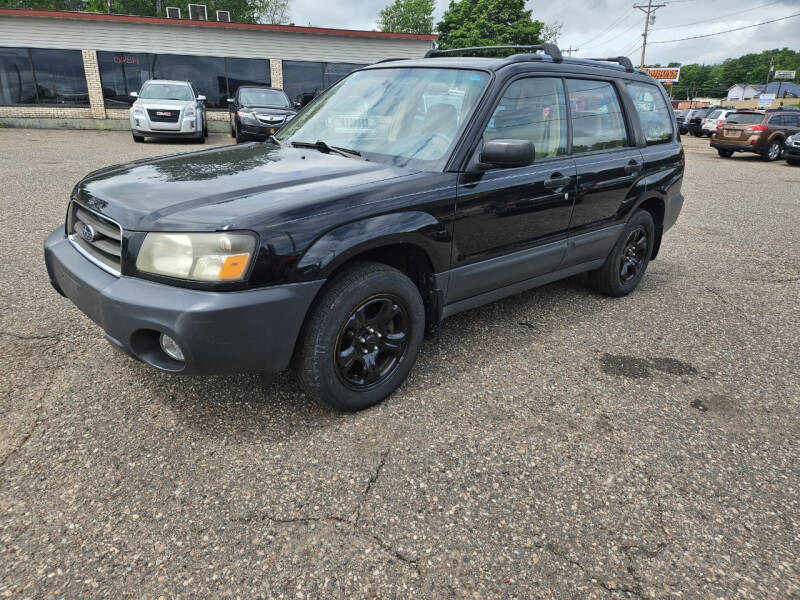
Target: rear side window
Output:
{"points": [[532, 109], [714, 114], [777, 120], [597, 122], [653, 112]]}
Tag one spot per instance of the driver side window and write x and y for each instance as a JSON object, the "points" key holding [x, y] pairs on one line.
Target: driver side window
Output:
{"points": [[532, 109]]}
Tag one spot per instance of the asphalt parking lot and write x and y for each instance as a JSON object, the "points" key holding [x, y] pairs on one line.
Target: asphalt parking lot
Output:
{"points": [[557, 444]]}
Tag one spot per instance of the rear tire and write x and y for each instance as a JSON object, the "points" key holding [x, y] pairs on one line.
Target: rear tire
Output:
{"points": [[628, 260], [725, 153], [361, 337], [773, 151], [793, 161], [138, 138]]}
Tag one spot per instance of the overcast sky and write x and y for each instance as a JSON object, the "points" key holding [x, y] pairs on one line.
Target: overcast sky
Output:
{"points": [[586, 25]]}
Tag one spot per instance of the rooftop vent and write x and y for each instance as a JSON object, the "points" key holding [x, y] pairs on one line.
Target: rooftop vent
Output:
{"points": [[198, 12], [224, 15], [173, 12]]}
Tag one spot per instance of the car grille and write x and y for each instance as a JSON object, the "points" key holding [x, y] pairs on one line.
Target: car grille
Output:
{"points": [[163, 116], [271, 119], [97, 237]]}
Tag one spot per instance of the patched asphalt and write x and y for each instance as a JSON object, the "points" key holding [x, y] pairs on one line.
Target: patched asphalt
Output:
{"points": [[557, 444]]}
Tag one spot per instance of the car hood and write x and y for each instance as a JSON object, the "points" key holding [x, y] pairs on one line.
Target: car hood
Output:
{"points": [[235, 187]]}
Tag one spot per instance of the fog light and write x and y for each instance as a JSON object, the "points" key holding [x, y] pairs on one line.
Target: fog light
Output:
{"points": [[170, 347]]}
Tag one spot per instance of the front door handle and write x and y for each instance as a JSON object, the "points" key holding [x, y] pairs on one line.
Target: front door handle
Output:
{"points": [[633, 167], [556, 180]]}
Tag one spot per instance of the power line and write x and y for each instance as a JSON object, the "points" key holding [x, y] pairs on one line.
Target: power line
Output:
{"points": [[622, 18], [720, 18], [695, 37]]}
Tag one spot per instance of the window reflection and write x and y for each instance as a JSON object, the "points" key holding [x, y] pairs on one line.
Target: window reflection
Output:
{"points": [[16, 77], [60, 78], [122, 73], [303, 80], [207, 73], [246, 71]]}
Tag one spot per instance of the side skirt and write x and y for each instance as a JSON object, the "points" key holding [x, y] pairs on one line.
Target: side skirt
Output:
{"points": [[516, 288]]}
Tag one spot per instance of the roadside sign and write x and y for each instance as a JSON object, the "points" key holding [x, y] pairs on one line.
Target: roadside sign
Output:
{"points": [[664, 74], [784, 75], [765, 100]]}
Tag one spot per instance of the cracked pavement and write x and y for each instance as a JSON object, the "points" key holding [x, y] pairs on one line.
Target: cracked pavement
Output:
{"points": [[556, 444]]}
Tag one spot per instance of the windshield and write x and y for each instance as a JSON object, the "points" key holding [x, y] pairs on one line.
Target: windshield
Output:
{"points": [[403, 116], [250, 97], [744, 118], [166, 91]]}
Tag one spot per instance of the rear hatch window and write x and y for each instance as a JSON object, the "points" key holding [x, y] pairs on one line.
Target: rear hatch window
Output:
{"points": [[744, 118]]}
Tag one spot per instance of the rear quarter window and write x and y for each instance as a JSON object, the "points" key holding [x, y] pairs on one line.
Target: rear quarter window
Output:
{"points": [[654, 114]]}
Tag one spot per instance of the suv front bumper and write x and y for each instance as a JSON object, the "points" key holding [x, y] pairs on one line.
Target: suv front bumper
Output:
{"points": [[218, 332]]}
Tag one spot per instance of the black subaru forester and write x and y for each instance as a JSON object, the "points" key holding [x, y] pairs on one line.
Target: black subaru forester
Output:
{"points": [[407, 192]]}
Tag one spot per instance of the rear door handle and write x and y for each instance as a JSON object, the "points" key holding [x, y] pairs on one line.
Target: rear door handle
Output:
{"points": [[633, 167], [557, 180]]}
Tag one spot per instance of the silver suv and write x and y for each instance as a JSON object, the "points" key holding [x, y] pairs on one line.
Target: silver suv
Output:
{"points": [[168, 109]]}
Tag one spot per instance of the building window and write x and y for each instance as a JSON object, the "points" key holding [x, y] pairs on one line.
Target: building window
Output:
{"points": [[302, 80], [60, 78], [120, 74], [207, 73], [246, 71], [38, 76], [17, 85]]}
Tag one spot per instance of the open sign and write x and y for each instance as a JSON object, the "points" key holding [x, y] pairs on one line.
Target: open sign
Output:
{"points": [[126, 59]]}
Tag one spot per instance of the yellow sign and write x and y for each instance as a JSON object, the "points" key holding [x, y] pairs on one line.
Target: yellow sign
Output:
{"points": [[664, 74]]}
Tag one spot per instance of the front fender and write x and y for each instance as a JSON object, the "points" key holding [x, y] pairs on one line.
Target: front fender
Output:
{"points": [[339, 245]]}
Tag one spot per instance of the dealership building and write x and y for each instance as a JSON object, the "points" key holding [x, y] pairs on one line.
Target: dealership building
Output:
{"points": [[75, 69]]}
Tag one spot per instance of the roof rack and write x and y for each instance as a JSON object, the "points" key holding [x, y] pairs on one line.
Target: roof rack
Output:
{"points": [[550, 49], [383, 60], [621, 60]]}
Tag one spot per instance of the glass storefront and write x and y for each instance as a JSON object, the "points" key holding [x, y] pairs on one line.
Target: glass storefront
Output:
{"points": [[302, 80], [41, 76]]}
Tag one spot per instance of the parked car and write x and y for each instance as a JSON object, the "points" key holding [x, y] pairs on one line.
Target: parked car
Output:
{"points": [[259, 112], [338, 244], [763, 133], [695, 125], [680, 115], [714, 118], [168, 109], [792, 149]]}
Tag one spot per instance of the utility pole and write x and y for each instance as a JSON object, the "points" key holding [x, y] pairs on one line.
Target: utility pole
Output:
{"points": [[648, 10], [570, 50]]}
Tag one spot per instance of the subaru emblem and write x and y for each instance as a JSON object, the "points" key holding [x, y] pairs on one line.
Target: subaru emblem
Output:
{"points": [[87, 232]]}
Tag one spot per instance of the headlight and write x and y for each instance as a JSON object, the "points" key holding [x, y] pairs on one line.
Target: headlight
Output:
{"points": [[790, 139], [138, 110], [247, 116], [289, 118], [189, 112], [197, 256]]}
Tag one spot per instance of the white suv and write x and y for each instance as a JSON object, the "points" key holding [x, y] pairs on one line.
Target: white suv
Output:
{"points": [[714, 118], [168, 109]]}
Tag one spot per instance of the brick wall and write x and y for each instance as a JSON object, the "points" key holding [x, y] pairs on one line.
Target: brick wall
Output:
{"points": [[92, 70], [276, 72]]}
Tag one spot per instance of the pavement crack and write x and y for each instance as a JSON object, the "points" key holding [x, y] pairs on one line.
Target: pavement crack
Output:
{"points": [[372, 481], [36, 422], [733, 305]]}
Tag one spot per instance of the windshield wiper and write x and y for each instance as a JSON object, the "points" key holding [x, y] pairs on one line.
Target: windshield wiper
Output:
{"points": [[323, 147]]}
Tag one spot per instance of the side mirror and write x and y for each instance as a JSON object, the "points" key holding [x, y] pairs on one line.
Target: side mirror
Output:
{"points": [[201, 98], [507, 154], [298, 105], [134, 94], [230, 100]]}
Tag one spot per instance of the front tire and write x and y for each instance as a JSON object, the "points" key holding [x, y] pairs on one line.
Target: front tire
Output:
{"points": [[625, 266], [793, 161], [361, 338], [138, 138], [725, 153]]}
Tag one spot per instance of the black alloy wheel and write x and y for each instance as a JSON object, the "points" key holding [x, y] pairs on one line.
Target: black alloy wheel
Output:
{"points": [[361, 336], [633, 255], [372, 342]]}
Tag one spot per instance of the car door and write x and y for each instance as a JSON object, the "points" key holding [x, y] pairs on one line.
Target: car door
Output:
{"points": [[608, 164], [511, 224]]}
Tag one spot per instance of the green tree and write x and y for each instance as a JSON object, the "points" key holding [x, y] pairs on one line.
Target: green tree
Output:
{"points": [[407, 16], [488, 23]]}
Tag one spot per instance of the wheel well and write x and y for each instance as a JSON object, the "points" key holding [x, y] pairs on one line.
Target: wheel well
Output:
{"points": [[412, 261], [655, 206]]}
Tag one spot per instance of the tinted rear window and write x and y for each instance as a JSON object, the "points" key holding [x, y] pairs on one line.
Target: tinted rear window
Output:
{"points": [[714, 114], [744, 118]]}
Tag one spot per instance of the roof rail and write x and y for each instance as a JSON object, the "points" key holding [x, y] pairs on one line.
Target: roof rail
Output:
{"points": [[622, 60], [550, 49], [383, 60]]}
